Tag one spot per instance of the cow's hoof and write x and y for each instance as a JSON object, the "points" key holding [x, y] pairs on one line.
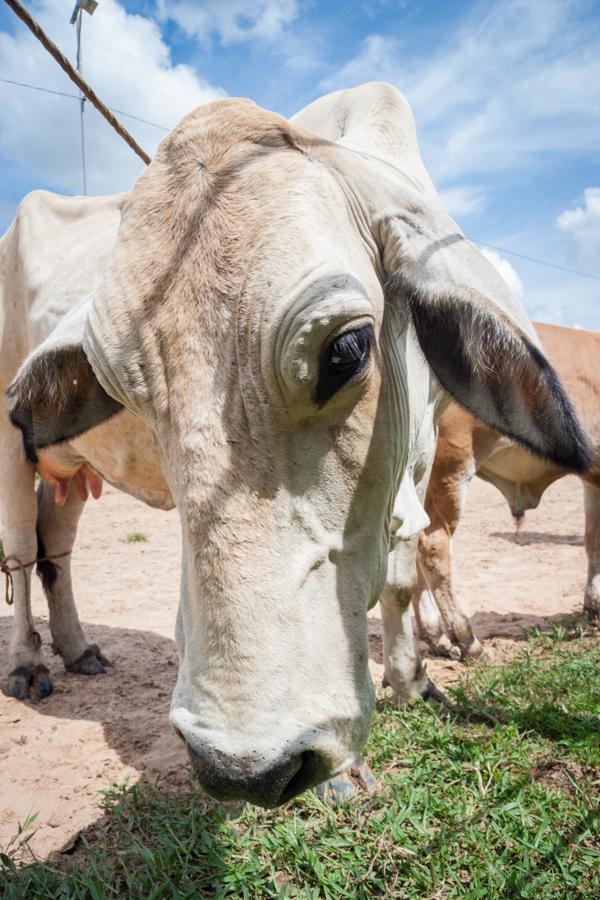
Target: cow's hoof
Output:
{"points": [[357, 779], [475, 650], [443, 646], [591, 606], [24, 679], [91, 662], [432, 694]]}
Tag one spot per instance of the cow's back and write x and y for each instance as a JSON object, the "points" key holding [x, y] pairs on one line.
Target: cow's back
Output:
{"points": [[51, 258]]}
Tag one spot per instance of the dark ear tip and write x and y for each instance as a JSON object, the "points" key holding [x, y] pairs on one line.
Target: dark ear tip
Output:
{"points": [[572, 449], [22, 418], [581, 457]]}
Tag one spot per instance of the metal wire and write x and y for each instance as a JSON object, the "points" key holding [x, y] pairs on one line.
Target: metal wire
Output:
{"points": [[37, 87], [541, 262]]}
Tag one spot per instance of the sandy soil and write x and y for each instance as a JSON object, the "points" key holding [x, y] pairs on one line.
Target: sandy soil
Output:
{"points": [[56, 755]]}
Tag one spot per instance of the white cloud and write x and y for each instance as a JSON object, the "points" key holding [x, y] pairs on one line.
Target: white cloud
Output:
{"points": [[505, 269], [127, 63], [503, 94], [583, 225], [377, 60], [464, 201], [231, 21], [506, 90], [567, 301]]}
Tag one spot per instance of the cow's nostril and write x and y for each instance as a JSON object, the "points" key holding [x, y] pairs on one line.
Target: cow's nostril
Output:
{"points": [[312, 771]]}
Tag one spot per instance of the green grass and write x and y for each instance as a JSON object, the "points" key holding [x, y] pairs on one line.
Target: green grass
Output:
{"points": [[136, 537], [500, 800]]}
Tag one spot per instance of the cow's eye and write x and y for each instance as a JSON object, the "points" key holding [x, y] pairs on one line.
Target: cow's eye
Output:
{"points": [[342, 361]]}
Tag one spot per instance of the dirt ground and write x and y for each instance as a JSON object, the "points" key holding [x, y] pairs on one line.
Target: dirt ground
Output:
{"points": [[57, 755]]}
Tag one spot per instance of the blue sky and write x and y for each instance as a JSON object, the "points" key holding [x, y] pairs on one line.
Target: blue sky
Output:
{"points": [[506, 97]]}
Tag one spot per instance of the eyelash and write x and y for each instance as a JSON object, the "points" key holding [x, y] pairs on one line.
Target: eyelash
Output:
{"points": [[333, 373]]}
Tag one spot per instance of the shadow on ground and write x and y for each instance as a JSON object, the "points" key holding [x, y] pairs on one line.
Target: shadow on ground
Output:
{"points": [[131, 701], [517, 626], [538, 537]]}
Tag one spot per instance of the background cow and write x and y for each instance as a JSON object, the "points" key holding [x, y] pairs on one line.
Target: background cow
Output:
{"points": [[260, 330], [467, 447]]}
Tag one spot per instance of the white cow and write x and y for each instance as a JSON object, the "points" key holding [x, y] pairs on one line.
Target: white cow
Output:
{"points": [[252, 331]]}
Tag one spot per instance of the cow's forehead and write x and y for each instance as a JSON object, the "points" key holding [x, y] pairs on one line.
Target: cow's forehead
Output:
{"points": [[233, 204], [221, 228], [216, 133]]}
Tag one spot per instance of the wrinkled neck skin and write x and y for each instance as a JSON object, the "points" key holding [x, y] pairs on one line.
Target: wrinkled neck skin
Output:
{"points": [[285, 507]]}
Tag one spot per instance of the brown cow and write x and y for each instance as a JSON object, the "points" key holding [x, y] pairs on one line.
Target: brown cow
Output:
{"points": [[467, 447]]}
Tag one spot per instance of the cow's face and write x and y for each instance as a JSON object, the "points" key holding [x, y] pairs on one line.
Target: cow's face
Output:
{"points": [[279, 394], [263, 316]]}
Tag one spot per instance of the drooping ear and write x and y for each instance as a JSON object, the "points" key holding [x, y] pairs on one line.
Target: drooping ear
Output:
{"points": [[477, 338], [471, 328], [56, 396]]}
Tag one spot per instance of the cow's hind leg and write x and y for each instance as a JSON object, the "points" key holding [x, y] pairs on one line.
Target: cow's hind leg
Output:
{"points": [[57, 530], [435, 558], [591, 496], [430, 626], [446, 495], [26, 669]]}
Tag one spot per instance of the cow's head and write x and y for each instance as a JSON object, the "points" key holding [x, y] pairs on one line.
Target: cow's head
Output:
{"points": [[274, 309]]}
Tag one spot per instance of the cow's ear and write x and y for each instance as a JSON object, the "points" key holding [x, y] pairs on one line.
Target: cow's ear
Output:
{"points": [[477, 338], [56, 396]]}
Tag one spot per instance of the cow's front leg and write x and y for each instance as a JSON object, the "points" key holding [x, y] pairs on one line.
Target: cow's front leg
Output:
{"points": [[404, 671], [591, 496], [57, 530], [26, 669], [403, 666]]}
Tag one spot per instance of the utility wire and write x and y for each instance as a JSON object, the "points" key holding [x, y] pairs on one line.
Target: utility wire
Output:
{"points": [[35, 87], [138, 119], [540, 262]]}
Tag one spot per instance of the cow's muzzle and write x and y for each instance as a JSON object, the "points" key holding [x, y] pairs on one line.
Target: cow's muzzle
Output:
{"points": [[237, 778]]}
